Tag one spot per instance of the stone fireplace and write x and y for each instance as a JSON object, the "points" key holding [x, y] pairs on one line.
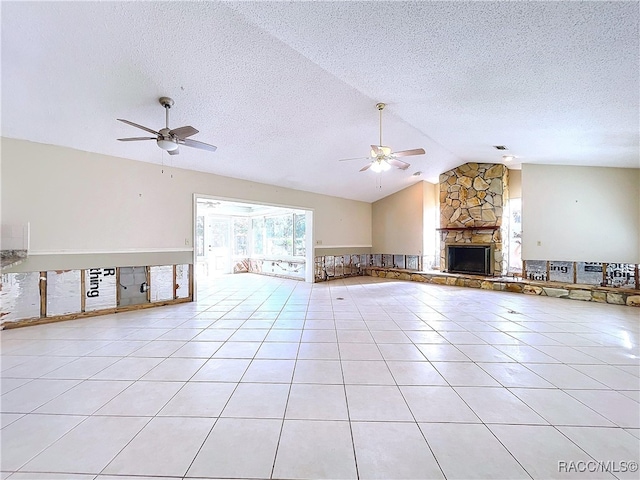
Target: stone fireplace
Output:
{"points": [[473, 198]]}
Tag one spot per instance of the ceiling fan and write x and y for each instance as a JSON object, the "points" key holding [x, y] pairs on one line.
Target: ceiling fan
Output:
{"points": [[169, 139], [383, 157]]}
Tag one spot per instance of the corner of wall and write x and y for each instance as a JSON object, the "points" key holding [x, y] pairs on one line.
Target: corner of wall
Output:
{"points": [[397, 222]]}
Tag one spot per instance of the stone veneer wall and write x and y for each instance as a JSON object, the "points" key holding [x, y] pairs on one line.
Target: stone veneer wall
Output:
{"points": [[473, 197], [588, 293]]}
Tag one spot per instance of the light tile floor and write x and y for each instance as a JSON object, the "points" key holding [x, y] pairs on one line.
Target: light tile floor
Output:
{"points": [[357, 378]]}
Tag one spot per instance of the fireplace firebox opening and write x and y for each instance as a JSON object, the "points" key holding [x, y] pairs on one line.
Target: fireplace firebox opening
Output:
{"points": [[472, 259]]}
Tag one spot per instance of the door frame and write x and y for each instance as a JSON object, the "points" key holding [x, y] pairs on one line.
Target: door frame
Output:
{"points": [[309, 230]]}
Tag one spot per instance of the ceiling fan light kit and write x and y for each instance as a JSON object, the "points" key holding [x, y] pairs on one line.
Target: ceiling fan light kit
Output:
{"points": [[383, 157], [380, 166], [169, 139], [168, 145]]}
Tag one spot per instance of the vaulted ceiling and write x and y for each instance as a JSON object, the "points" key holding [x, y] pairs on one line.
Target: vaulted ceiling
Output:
{"points": [[286, 89]]}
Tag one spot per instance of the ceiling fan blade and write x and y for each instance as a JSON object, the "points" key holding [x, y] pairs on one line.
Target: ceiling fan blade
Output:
{"points": [[406, 153], [398, 163], [376, 149], [138, 126], [183, 132], [366, 167], [174, 152], [195, 144], [135, 139]]}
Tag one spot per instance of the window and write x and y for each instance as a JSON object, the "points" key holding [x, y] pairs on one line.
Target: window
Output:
{"points": [[240, 236], [279, 235], [200, 235], [515, 235], [258, 235], [299, 244]]}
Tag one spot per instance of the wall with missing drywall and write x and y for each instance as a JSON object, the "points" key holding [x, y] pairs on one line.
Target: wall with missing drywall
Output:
{"points": [[88, 210]]}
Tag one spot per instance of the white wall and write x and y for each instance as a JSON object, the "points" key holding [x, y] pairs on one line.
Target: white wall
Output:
{"points": [[398, 222], [587, 214], [431, 221], [515, 183], [115, 211]]}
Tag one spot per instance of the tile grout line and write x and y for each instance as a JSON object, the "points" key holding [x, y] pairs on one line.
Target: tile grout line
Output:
{"points": [[284, 413], [226, 403], [415, 421], [346, 399]]}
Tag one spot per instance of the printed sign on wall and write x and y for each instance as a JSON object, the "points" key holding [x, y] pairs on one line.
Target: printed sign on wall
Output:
{"points": [[100, 288], [561, 272], [621, 275], [589, 273], [536, 270]]}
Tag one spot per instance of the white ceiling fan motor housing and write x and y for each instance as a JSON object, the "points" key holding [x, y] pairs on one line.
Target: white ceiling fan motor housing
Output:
{"points": [[165, 141]]}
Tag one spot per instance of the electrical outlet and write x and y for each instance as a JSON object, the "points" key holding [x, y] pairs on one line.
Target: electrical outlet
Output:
{"points": [[186, 241], [318, 242]]}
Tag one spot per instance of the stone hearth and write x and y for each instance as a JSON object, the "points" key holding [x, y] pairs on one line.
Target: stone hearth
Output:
{"points": [[473, 198]]}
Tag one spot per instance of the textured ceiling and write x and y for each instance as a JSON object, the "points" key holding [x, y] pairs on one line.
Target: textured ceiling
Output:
{"points": [[285, 89]]}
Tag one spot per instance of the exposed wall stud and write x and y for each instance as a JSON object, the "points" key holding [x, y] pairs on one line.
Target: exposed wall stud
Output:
{"points": [[175, 282], [83, 291], [43, 294], [147, 271], [548, 271], [117, 287]]}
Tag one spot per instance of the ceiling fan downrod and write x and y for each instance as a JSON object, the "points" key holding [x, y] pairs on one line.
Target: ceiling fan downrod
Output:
{"points": [[380, 107], [167, 103]]}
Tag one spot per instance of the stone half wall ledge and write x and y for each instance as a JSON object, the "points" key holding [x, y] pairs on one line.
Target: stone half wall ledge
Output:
{"points": [[589, 293]]}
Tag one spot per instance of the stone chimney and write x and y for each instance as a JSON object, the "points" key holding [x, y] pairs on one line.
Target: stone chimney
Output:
{"points": [[473, 198]]}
